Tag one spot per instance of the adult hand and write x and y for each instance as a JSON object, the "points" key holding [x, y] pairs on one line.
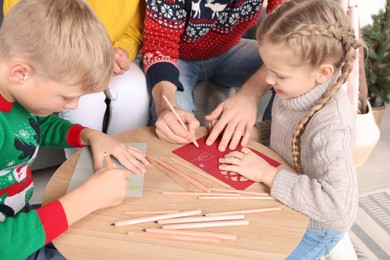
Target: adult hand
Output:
{"points": [[130, 157], [169, 129], [235, 117], [122, 63]]}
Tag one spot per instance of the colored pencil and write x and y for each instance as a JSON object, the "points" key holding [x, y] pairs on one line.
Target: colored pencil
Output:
{"points": [[207, 224], [149, 212], [143, 234], [182, 175], [200, 219], [184, 193], [234, 198], [156, 217], [240, 192], [191, 233], [188, 174], [169, 174], [244, 211], [204, 174], [178, 118], [107, 158]]}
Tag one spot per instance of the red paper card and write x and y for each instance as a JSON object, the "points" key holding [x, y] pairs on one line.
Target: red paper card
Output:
{"points": [[206, 158]]}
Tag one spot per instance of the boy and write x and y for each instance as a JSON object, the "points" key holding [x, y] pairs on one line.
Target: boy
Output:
{"points": [[51, 53]]}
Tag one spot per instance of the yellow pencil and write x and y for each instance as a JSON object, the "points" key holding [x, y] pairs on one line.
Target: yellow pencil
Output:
{"points": [[178, 118]]}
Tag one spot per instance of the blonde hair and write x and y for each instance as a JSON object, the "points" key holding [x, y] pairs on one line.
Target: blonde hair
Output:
{"points": [[62, 40], [316, 31]]}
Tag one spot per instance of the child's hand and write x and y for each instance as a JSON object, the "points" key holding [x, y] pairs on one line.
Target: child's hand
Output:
{"points": [[122, 63], [249, 165], [130, 157], [106, 188]]}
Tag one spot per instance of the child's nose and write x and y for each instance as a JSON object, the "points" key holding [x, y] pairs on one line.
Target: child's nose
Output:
{"points": [[269, 79]]}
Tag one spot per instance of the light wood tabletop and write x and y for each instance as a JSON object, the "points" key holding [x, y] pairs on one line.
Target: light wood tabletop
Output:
{"points": [[269, 235]]}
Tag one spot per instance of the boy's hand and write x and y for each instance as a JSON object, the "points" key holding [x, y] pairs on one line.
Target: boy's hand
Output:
{"points": [[106, 188], [249, 165], [130, 157]]}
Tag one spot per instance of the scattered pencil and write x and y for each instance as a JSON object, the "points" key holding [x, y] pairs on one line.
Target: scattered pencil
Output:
{"points": [[183, 193], [234, 198], [200, 219], [107, 158], [174, 170], [169, 174], [192, 233], [156, 217], [150, 212], [245, 211], [178, 118], [204, 174], [240, 192], [207, 224], [180, 237]]}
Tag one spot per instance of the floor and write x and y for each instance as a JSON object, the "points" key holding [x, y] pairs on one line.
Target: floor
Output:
{"points": [[372, 175]]}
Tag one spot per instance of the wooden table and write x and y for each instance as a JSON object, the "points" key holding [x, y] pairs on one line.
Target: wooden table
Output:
{"points": [[269, 235]]}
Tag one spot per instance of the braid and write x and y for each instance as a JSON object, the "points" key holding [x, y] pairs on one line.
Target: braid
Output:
{"points": [[346, 36]]}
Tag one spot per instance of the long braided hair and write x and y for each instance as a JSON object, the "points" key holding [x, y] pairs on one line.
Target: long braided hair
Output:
{"points": [[316, 31]]}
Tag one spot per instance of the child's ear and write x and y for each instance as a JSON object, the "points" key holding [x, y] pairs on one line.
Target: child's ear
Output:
{"points": [[19, 71], [324, 73]]}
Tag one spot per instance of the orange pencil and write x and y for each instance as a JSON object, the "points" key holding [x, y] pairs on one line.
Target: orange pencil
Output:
{"points": [[244, 211], [107, 158], [170, 174], [178, 118]]}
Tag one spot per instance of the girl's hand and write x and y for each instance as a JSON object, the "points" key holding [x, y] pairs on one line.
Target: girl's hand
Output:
{"points": [[249, 165], [130, 157]]}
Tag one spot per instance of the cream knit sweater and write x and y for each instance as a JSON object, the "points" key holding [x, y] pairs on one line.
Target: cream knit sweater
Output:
{"points": [[327, 190]]}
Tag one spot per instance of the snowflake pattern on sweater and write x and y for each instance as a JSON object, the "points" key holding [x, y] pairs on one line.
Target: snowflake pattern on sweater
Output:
{"points": [[193, 30]]}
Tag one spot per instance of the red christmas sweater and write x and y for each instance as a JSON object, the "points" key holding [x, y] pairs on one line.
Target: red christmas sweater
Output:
{"points": [[193, 30], [21, 134]]}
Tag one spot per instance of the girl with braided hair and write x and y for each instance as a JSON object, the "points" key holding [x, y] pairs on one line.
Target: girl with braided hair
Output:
{"points": [[308, 48]]}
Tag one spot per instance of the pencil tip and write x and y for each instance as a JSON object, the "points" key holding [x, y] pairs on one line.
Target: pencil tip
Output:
{"points": [[113, 224]]}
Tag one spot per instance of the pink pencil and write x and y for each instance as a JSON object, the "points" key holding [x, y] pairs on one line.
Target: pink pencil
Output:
{"points": [[156, 217], [200, 219], [243, 211], [240, 192], [192, 233], [234, 198], [143, 234], [207, 224]]}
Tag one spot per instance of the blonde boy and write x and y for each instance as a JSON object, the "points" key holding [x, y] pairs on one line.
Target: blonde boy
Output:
{"points": [[51, 53]]}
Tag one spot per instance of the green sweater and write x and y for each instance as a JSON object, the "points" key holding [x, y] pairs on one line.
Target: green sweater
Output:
{"points": [[21, 134], [327, 189]]}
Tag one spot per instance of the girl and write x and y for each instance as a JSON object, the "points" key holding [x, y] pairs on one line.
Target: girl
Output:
{"points": [[308, 48]]}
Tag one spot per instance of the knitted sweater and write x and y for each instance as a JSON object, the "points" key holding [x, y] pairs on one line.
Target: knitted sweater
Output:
{"points": [[21, 134], [327, 189], [122, 19], [192, 30]]}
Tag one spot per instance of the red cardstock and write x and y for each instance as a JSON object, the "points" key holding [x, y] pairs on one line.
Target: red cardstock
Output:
{"points": [[206, 158]]}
